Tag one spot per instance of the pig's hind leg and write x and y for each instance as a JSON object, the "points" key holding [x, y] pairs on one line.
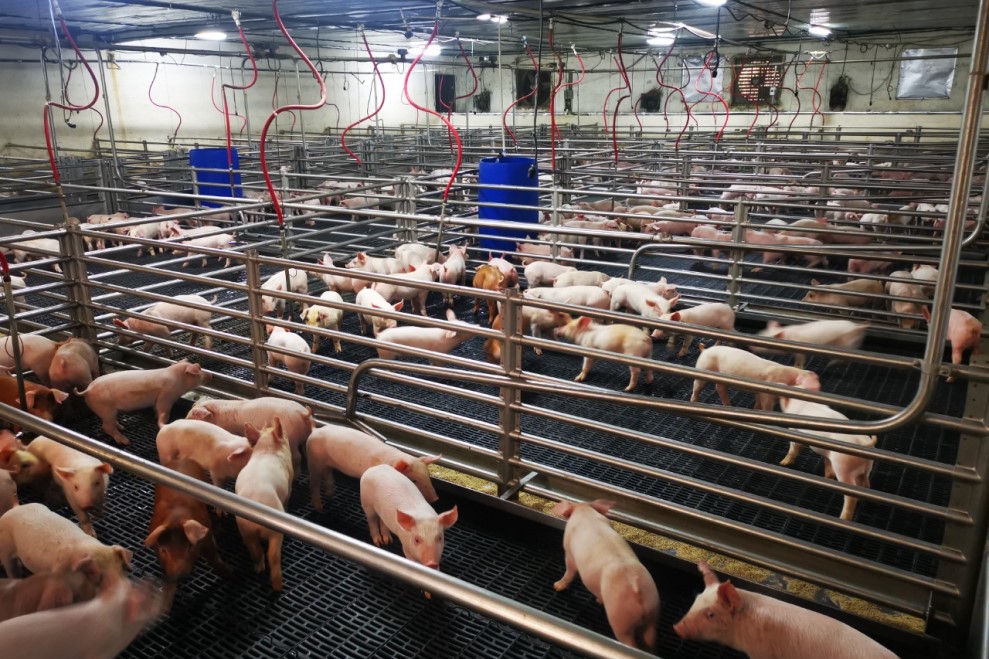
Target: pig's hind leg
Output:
{"points": [[568, 576]]}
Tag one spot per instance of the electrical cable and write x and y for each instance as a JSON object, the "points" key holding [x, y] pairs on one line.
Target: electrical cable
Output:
{"points": [[554, 132], [162, 105], [710, 91], [535, 88], [274, 101], [275, 202], [65, 95], [381, 102], [618, 103]]}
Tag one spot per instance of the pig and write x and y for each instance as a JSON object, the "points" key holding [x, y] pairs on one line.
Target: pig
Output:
{"points": [[181, 530], [535, 321], [267, 479], [507, 269], [705, 232], [339, 283], [903, 309], [395, 292], [127, 391], [75, 364], [585, 296], [454, 270], [37, 353], [739, 363], [811, 258], [372, 299], [45, 541], [29, 248], [376, 265], [964, 333], [661, 288], [624, 339], [414, 254], [609, 569], [83, 479], [838, 333], [194, 239], [763, 627], [8, 491], [846, 235], [868, 267], [531, 253], [298, 283], [353, 452], [99, 628], [24, 468], [670, 227], [712, 314], [580, 278], [41, 401], [325, 318], [279, 337], [848, 469], [436, 339], [41, 592], [234, 415], [811, 227], [170, 311], [393, 504], [642, 300], [542, 273], [844, 295], [926, 273], [147, 231], [489, 278], [223, 454]]}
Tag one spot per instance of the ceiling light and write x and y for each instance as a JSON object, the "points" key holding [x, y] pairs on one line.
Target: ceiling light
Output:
{"points": [[211, 35], [501, 20], [660, 40], [655, 31], [484, 17], [711, 3], [819, 31], [432, 51]]}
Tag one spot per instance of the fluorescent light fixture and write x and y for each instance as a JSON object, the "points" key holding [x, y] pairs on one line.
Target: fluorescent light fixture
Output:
{"points": [[711, 3], [484, 17], [433, 50], [819, 31], [501, 20], [211, 35], [660, 40]]}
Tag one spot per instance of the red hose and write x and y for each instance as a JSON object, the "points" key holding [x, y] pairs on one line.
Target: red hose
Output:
{"points": [[473, 90], [275, 202], [709, 92], [381, 103], [755, 102], [816, 98], [456, 135], [68, 79], [63, 106], [796, 95], [535, 88], [660, 80], [554, 132], [223, 92], [162, 105], [618, 104]]}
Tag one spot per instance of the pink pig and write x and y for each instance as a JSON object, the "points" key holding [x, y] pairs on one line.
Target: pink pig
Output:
{"points": [[964, 333], [393, 504], [8, 491], [712, 314], [298, 364], [396, 292], [234, 415], [83, 479], [75, 364], [610, 570], [454, 270], [223, 454], [766, 628], [506, 268], [437, 339], [732, 361], [623, 339], [37, 353], [40, 592], [353, 452], [127, 391]]}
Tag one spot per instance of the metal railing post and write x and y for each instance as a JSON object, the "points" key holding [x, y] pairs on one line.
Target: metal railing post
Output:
{"points": [[74, 247], [509, 419], [257, 330], [737, 255]]}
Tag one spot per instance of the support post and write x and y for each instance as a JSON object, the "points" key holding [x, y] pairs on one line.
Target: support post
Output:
{"points": [[511, 397], [257, 322]]}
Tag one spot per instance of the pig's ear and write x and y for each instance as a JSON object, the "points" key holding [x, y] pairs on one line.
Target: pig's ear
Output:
{"points": [[675, 301], [194, 531], [405, 520], [252, 434], [449, 518], [584, 322], [710, 578], [233, 455], [29, 395], [662, 280], [401, 466], [361, 257], [125, 555], [814, 282], [66, 472], [773, 325], [564, 509], [155, 535], [193, 369], [86, 566], [104, 468], [675, 316], [277, 429], [120, 323], [59, 396], [602, 505], [926, 313], [728, 597], [430, 459], [398, 307]]}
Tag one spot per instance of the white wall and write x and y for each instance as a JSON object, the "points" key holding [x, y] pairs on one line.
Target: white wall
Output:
{"points": [[184, 82]]}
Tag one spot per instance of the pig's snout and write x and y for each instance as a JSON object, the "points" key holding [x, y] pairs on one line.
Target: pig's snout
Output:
{"points": [[434, 565], [681, 630]]}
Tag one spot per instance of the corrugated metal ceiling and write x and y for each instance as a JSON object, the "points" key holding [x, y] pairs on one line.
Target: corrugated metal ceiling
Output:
{"points": [[591, 24]]}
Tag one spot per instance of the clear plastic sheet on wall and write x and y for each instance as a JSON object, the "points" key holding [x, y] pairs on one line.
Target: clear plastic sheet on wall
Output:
{"points": [[696, 77], [926, 78]]}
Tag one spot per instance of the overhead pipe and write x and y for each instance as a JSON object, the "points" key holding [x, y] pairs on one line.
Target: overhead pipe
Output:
{"points": [[275, 202], [381, 102]]}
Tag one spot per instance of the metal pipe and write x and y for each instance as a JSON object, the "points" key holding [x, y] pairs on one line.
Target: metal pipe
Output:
{"points": [[114, 158]]}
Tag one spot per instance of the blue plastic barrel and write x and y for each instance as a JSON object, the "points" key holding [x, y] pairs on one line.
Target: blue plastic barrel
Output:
{"points": [[215, 184], [507, 170]]}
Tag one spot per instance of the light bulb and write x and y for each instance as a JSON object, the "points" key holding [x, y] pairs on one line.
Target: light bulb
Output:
{"points": [[819, 31], [660, 40], [211, 35]]}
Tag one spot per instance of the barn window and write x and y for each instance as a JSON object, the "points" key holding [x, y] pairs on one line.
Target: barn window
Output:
{"points": [[756, 78], [446, 93], [525, 80]]}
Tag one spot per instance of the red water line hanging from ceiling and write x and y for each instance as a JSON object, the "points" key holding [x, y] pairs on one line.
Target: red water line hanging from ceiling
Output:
{"points": [[462, 97], [554, 132], [661, 81], [535, 87], [381, 102], [275, 202], [456, 135], [816, 98], [162, 105], [65, 94], [755, 101], [710, 92], [626, 85], [224, 87], [46, 109]]}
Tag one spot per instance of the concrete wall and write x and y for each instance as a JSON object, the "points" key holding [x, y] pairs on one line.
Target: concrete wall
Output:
{"points": [[184, 82]]}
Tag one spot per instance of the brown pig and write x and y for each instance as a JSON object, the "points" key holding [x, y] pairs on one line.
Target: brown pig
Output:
{"points": [[41, 401], [490, 278], [181, 530]]}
